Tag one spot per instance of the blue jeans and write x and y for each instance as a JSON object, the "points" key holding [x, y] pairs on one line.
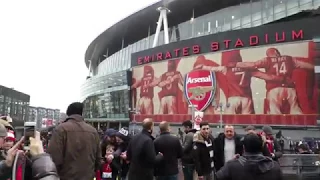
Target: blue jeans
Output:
{"points": [[188, 170], [172, 177]]}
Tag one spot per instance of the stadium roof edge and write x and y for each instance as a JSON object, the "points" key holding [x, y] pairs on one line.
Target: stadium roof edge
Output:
{"points": [[181, 11]]}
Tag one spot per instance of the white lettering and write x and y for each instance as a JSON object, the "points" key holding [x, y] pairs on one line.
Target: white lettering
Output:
{"points": [[199, 80]]}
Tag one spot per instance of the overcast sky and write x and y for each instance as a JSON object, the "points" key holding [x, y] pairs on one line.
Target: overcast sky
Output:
{"points": [[43, 42]]}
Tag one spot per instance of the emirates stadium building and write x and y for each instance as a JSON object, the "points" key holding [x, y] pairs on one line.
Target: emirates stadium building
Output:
{"points": [[226, 62]]}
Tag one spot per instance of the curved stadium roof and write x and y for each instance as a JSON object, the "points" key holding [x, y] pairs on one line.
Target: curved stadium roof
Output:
{"points": [[136, 26]]}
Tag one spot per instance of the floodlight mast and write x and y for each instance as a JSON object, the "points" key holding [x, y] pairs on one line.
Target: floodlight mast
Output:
{"points": [[162, 20]]}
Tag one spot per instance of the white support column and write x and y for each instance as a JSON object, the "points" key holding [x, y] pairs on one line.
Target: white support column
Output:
{"points": [[162, 18], [165, 25], [120, 125], [90, 67], [156, 36]]}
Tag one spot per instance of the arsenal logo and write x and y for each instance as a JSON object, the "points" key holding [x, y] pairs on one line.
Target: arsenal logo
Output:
{"points": [[199, 88]]}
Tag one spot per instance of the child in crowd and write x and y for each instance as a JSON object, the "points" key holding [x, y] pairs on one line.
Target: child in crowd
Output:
{"points": [[109, 169]]}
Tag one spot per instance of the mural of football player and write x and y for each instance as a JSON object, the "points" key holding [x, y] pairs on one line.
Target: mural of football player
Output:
{"points": [[279, 93], [170, 82], [134, 93], [239, 95], [146, 84]]}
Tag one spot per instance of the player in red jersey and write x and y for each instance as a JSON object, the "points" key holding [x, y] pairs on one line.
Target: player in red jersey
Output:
{"points": [[169, 82], [134, 93], [239, 95], [146, 84], [279, 93]]}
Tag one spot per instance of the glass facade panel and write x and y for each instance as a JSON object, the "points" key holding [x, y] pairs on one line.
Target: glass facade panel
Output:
{"points": [[245, 11], [256, 13], [306, 4], [279, 9], [108, 105], [292, 7], [267, 11]]}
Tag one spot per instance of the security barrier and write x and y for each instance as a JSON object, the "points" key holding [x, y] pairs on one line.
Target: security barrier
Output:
{"points": [[300, 166]]}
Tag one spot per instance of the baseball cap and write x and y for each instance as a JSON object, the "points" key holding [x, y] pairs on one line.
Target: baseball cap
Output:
{"points": [[248, 128], [3, 131], [267, 130]]}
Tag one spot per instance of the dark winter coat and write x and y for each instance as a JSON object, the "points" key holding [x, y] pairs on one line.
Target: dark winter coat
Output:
{"points": [[187, 146], [142, 156], [171, 149], [202, 148], [250, 167]]}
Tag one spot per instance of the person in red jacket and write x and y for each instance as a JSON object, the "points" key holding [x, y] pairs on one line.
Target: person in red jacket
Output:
{"points": [[109, 169], [272, 144]]}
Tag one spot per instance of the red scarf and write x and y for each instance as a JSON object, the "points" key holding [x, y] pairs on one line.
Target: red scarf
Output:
{"points": [[105, 171], [270, 144]]}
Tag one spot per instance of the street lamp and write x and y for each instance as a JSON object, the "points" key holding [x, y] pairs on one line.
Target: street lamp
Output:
{"points": [[135, 112], [221, 107], [193, 107]]}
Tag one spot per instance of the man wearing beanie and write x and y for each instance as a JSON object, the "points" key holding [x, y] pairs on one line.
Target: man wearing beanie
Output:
{"points": [[122, 138], [271, 142], [75, 146]]}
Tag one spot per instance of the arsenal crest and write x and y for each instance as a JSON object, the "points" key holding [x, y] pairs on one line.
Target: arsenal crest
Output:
{"points": [[199, 88]]}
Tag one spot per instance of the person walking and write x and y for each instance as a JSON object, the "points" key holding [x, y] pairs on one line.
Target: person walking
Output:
{"points": [[141, 153], [188, 167], [171, 149], [203, 152], [75, 146]]}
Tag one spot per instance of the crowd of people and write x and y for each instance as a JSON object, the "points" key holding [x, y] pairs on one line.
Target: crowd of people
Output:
{"points": [[76, 150]]}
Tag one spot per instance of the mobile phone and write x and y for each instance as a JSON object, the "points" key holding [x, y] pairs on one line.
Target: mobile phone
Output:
{"points": [[29, 131]]}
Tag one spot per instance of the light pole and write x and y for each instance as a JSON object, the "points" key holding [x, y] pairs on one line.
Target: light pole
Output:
{"points": [[192, 106], [221, 110], [134, 111]]}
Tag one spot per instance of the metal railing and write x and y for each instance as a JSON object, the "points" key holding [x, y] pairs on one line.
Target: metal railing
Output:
{"points": [[300, 166]]}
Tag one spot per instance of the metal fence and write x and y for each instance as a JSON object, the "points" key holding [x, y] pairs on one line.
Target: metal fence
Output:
{"points": [[300, 166]]}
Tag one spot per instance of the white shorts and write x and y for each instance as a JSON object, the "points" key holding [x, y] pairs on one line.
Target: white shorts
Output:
{"points": [[239, 105], [277, 96], [168, 105], [145, 105]]}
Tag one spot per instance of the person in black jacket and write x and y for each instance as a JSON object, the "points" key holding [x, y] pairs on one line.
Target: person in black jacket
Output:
{"points": [[142, 155], [122, 139], [252, 165], [203, 152], [227, 146], [265, 150], [187, 145], [171, 149]]}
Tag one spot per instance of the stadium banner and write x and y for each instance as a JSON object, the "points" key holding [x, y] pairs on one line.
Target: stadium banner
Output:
{"points": [[262, 75]]}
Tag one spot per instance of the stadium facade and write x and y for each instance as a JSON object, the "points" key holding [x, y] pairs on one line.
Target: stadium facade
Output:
{"points": [[240, 61]]}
